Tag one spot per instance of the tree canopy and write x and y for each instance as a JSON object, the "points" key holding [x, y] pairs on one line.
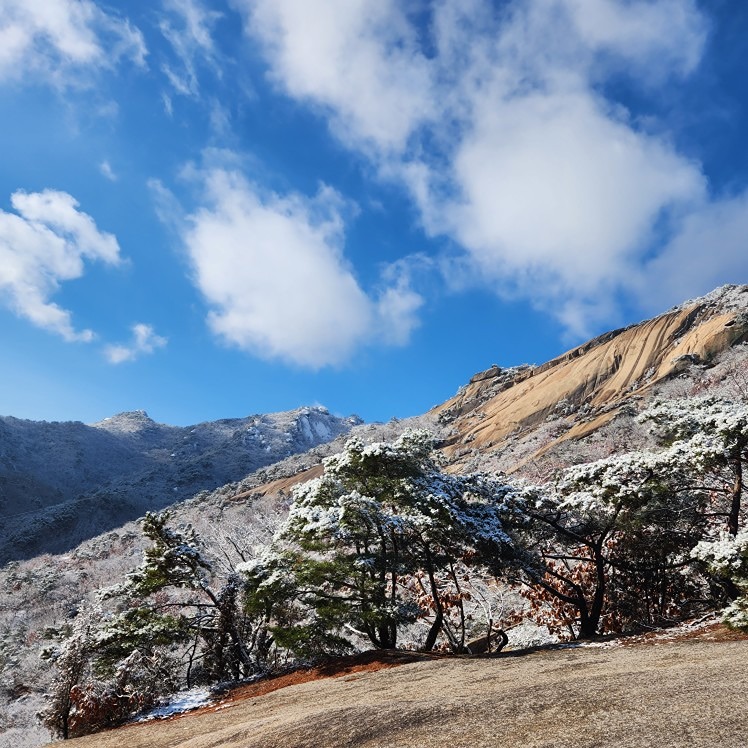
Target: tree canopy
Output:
{"points": [[378, 516]]}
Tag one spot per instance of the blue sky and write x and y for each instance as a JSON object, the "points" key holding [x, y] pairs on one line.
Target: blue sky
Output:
{"points": [[216, 208]]}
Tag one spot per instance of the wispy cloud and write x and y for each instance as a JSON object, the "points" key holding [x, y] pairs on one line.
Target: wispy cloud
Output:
{"points": [[187, 26], [273, 271], [497, 121], [144, 341], [61, 41], [44, 243], [106, 169], [708, 250]]}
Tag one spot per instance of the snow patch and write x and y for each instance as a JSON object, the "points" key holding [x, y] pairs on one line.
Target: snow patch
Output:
{"points": [[184, 701]]}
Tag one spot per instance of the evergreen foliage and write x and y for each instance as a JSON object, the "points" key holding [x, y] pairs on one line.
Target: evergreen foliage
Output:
{"points": [[610, 545], [379, 515], [386, 542]]}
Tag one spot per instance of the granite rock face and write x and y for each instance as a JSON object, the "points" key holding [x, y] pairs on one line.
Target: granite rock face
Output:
{"points": [[588, 386]]}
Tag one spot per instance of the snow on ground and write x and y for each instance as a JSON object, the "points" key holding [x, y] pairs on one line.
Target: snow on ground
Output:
{"points": [[682, 631], [184, 701]]}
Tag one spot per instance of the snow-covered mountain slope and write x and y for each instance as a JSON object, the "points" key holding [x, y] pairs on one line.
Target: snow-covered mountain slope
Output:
{"points": [[63, 482], [575, 408]]}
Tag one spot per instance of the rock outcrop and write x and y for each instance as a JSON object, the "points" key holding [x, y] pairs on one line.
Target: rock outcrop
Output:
{"points": [[588, 385]]}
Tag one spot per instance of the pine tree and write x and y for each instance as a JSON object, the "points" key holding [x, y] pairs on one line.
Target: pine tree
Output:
{"points": [[380, 514]]}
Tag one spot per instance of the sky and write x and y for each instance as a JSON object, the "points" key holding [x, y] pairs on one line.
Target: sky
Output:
{"points": [[216, 208]]}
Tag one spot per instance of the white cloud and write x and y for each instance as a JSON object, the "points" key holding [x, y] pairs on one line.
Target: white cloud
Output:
{"points": [[397, 316], [43, 244], [494, 120], [144, 341], [59, 39], [558, 198], [168, 104], [398, 304], [272, 270], [188, 29], [358, 59], [650, 39], [106, 169]]}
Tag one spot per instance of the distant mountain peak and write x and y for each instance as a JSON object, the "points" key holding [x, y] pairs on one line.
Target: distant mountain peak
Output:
{"points": [[87, 478], [127, 421]]}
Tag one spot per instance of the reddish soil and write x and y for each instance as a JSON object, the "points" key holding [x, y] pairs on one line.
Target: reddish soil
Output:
{"points": [[358, 663]]}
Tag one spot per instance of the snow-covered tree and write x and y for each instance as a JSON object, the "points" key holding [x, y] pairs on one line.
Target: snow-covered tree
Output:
{"points": [[727, 557], [170, 622], [603, 547], [378, 516], [72, 659], [717, 431], [171, 598]]}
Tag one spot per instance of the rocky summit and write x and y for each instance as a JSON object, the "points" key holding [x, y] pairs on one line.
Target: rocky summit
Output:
{"points": [[587, 387]]}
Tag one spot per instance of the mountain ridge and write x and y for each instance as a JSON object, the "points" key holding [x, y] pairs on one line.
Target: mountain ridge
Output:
{"points": [[589, 385], [53, 475], [84, 479]]}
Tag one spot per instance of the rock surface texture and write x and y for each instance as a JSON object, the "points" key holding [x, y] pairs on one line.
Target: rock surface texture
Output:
{"points": [[589, 385]]}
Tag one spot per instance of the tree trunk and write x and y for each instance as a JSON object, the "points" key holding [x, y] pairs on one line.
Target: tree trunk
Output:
{"points": [[733, 521], [589, 627], [436, 626], [65, 730], [587, 624], [384, 638]]}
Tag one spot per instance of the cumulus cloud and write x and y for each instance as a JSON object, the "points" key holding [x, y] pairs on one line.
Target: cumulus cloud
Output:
{"points": [[57, 39], [44, 243], [496, 121], [559, 198], [358, 59], [143, 342], [273, 271]]}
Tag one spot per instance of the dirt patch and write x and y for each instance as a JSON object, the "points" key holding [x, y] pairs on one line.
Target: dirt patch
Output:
{"points": [[365, 662]]}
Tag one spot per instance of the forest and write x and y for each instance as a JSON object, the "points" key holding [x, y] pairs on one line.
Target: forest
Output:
{"points": [[388, 549]]}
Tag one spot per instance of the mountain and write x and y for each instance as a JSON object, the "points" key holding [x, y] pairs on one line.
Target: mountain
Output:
{"points": [[63, 482], [580, 405], [590, 386], [60, 483]]}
